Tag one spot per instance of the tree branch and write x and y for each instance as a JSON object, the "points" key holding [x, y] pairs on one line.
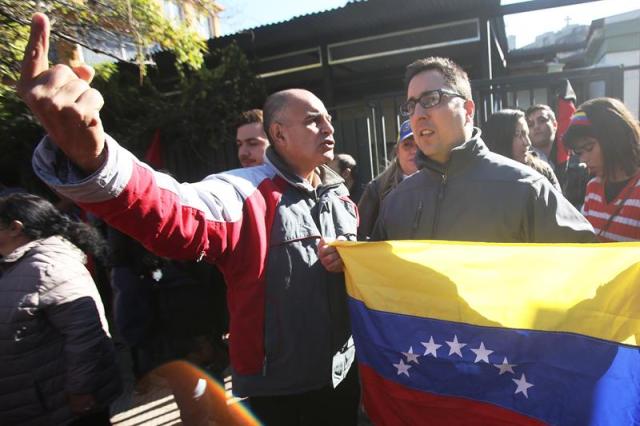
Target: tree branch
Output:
{"points": [[65, 37]]}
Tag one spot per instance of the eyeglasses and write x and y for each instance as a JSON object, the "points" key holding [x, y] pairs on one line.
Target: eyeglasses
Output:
{"points": [[427, 100]]}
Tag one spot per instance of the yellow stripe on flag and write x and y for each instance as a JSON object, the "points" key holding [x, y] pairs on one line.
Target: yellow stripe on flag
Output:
{"points": [[590, 289]]}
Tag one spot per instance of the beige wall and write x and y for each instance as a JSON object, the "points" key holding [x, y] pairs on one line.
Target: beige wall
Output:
{"points": [[190, 14]]}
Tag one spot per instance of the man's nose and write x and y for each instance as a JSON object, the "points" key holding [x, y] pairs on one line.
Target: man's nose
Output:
{"points": [[327, 127], [419, 110]]}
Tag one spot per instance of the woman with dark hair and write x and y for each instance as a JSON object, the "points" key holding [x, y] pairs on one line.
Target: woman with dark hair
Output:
{"points": [[57, 361], [606, 136], [507, 133]]}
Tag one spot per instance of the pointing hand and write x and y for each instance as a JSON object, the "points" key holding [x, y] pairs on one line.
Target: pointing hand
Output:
{"points": [[62, 100]]}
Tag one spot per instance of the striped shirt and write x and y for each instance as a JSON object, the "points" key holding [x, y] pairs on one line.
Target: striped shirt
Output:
{"points": [[625, 225]]}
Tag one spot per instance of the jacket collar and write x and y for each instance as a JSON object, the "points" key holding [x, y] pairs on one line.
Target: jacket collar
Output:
{"points": [[53, 243], [19, 253], [461, 155], [328, 177]]}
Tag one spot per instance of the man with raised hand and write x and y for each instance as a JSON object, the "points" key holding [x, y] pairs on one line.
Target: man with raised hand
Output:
{"points": [[290, 345]]}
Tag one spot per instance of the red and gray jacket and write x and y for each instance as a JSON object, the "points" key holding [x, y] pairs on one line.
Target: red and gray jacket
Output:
{"points": [[261, 226]]}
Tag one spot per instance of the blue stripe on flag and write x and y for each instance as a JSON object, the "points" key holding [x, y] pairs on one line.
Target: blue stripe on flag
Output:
{"points": [[559, 378]]}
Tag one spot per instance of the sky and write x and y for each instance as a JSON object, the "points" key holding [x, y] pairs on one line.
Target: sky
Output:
{"points": [[243, 14]]}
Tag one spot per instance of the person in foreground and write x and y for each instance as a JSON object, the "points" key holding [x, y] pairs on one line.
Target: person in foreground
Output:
{"points": [[57, 360], [463, 191], [290, 341], [606, 136]]}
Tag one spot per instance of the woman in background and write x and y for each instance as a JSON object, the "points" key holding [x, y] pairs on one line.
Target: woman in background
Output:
{"points": [[507, 133], [57, 361]]}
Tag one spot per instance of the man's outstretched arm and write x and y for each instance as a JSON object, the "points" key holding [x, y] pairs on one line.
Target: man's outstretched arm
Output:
{"points": [[184, 221]]}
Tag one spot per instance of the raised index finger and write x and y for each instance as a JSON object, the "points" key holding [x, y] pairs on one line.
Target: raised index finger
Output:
{"points": [[36, 54]]}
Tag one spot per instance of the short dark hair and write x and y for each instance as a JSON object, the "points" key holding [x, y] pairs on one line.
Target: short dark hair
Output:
{"points": [[540, 107], [615, 129], [499, 130], [250, 116], [455, 77]]}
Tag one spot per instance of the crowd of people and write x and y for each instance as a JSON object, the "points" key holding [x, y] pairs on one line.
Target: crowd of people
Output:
{"points": [[266, 227]]}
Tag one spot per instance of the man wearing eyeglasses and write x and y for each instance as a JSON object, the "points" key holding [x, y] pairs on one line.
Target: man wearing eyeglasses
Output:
{"points": [[290, 341], [465, 192]]}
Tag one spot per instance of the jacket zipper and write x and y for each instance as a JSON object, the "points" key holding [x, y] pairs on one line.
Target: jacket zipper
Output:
{"points": [[316, 197], [436, 215]]}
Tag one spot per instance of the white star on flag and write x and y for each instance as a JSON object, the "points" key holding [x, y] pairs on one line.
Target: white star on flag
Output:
{"points": [[522, 385], [482, 353], [505, 367], [402, 368], [430, 347], [455, 347], [411, 357]]}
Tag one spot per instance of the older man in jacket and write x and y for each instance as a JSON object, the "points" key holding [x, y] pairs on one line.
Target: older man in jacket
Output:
{"points": [[290, 345]]}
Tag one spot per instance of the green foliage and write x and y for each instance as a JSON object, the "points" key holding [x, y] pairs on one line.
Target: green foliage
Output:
{"points": [[13, 39], [196, 121], [19, 133], [195, 117], [141, 21]]}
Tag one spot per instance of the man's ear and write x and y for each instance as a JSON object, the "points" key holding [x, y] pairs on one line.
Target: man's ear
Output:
{"points": [[276, 133], [470, 108]]}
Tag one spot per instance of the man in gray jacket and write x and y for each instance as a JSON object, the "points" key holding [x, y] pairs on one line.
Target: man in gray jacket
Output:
{"points": [[464, 191]]}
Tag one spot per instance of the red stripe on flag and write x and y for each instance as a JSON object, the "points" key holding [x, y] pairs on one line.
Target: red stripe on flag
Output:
{"points": [[389, 403]]}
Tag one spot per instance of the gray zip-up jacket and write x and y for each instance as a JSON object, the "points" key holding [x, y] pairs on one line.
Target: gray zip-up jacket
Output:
{"points": [[479, 196], [53, 335]]}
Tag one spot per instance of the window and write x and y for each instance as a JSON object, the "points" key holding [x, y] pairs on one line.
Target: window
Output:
{"points": [[172, 11], [204, 26]]}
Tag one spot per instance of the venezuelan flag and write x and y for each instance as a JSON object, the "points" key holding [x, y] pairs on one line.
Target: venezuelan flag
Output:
{"points": [[454, 333]]}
